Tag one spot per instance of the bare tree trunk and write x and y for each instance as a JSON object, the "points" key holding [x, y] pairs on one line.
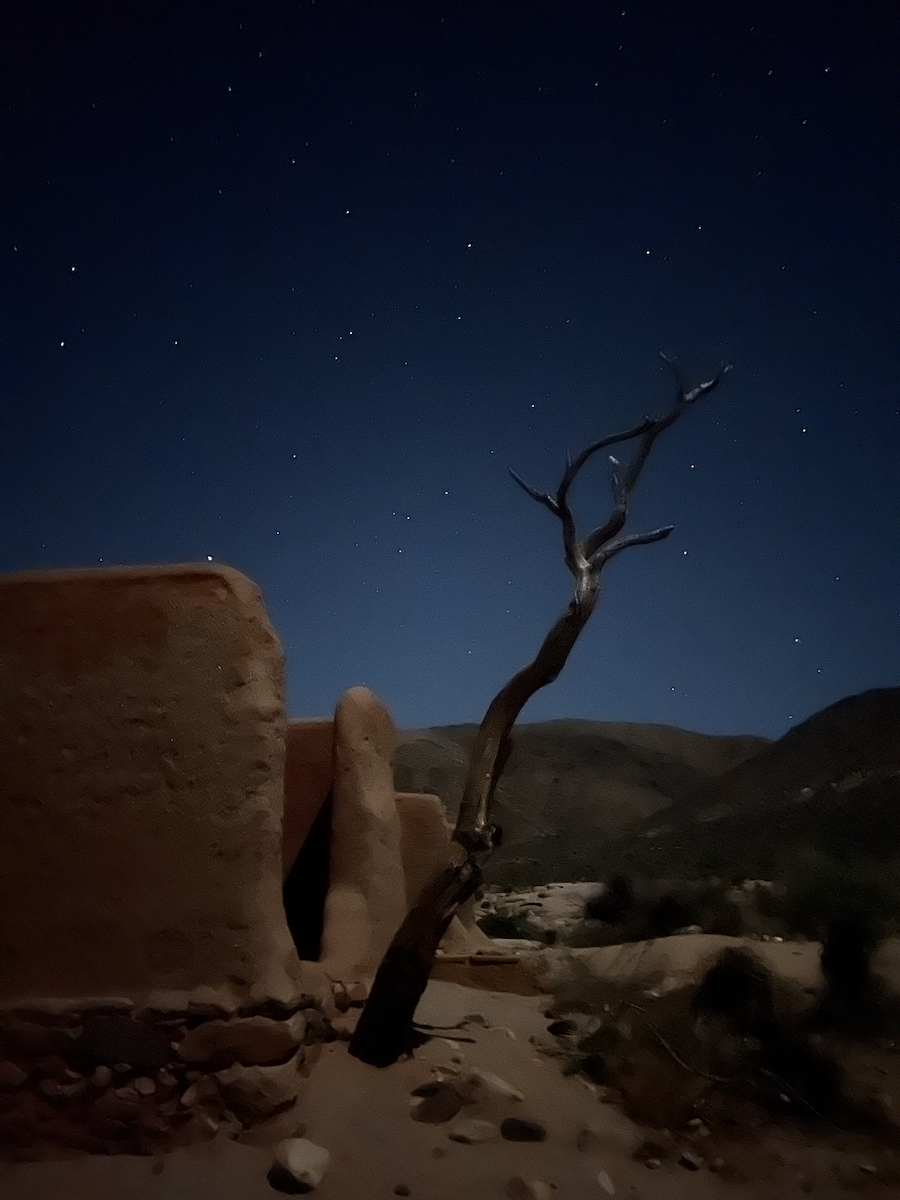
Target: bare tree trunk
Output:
{"points": [[385, 1029]]}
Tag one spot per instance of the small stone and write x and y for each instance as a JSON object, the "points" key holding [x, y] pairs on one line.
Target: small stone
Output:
{"points": [[206, 1122], [60, 1091], [652, 1164], [117, 1108], [589, 1141], [868, 1168], [300, 1164], [441, 1102], [268, 1132], [200, 1090], [345, 1025], [145, 1086], [649, 1150], [478, 1086], [606, 1183], [121, 1068], [472, 1130], [250, 1041], [689, 1160], [517, 1129], [11, 1076], [165, 1078], [260, 1091], [527, 1189], [49, 1066]]}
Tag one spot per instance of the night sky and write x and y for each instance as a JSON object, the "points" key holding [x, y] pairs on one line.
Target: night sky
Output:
{"points": [[290, 286]]}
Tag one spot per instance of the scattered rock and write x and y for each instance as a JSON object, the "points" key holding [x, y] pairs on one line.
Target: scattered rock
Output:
{"points": [[318, 1028], [299, 1166], [287, 1123], [472, 1130], [517, 1129], [11, 1076], [649, 1150], [478, 1086], [54, 1090], [689, 1160], [440, 1102], [345, 1025], [250, 1041], [200, 1090], [145, 1086], [590, 1141], [49, 1066], [606, 1183], [527, 1189], [257, 1092]]}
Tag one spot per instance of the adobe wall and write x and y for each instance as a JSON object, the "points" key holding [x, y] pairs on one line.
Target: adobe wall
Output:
{"points": [[142, 740], [308, 778], [383, 848]]}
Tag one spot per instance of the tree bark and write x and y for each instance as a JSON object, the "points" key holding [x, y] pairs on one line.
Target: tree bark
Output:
{"points": [[385, 1029]]}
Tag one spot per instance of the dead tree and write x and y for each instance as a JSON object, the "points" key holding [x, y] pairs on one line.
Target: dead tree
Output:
{"points": [[385, 1028]]}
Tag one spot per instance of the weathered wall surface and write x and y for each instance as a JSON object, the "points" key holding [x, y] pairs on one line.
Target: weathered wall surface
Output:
{"points": [[142, 740], [308, 778]]}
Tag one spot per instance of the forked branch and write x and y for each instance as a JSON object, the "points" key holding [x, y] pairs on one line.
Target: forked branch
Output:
{"points": [[385, 1028]]}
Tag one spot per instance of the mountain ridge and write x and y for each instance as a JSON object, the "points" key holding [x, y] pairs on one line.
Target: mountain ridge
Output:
{"points": [[581, 798]]}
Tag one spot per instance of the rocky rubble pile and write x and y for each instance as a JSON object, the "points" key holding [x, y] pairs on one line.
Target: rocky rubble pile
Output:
{"points": [[111, 1079]]}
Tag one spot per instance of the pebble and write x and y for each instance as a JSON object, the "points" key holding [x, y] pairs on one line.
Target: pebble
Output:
{"points": [[472, 1130], [440, 1102], [517, 1129]]}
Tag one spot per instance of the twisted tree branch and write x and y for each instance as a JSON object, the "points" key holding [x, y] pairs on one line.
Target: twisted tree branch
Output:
{"points": [[385, 1028]]}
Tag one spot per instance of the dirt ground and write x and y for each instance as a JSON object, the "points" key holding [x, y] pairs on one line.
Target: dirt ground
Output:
{"points": [[361, 1114]]}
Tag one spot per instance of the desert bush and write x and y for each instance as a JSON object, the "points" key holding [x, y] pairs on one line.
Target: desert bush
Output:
{"points": [[839, 832], [818, 891], [614, 903], [513, 926], [577, 988], [739, 989], [638, 910]]}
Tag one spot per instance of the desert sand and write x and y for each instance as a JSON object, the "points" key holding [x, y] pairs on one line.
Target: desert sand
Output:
{"points": [[362, 1115]]}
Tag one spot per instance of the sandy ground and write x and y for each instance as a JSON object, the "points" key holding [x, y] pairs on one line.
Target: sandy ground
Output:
{"points": [[362, 1115]]}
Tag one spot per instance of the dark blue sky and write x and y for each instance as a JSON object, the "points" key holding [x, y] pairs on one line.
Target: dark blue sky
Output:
{"points": [[292, 285]]}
